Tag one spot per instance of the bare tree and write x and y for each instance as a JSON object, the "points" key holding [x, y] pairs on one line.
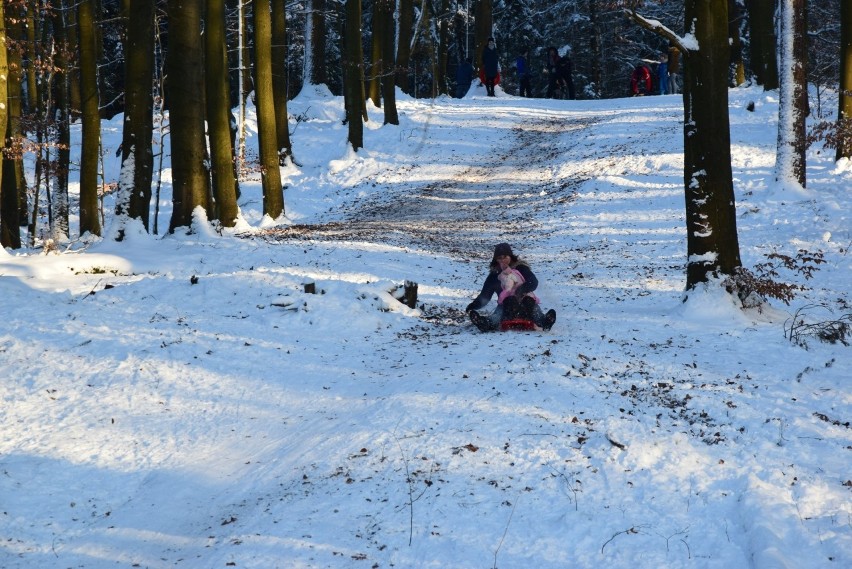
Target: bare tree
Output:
{"points": [[219, 115], [844, 114], [273, 193], [190, 179], [793, 96], [712, 243], [91, 138], [761, 19], [353, 72]]}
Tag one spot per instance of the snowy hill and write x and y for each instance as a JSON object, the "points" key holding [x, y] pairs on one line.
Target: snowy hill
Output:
{"points": [[180, 401]]}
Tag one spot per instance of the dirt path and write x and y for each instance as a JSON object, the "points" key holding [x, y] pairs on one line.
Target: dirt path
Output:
{"points": [[468, 211]]}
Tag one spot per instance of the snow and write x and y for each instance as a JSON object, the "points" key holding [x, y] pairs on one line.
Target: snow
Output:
{"points": [[180, 401]]}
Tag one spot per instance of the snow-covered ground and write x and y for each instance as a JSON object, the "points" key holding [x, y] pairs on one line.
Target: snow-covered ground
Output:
{"points": [[179, 401]]}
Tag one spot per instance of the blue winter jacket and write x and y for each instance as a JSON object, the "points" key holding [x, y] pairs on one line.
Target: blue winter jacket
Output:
{"points": [[492, 285]]}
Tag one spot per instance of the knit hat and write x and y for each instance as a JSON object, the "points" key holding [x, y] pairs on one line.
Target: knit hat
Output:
{"points": [[503, 249]]}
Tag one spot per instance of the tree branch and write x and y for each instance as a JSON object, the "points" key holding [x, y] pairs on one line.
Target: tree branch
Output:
{"points": [[659, 29]]}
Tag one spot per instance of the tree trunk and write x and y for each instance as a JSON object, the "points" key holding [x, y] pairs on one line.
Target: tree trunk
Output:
{"points": [[273, 194], [764, 64], [389, 63], [377, 65], [353, 84], [484, 28], [219, 116], [712, 243], [60, 229], [185, 86], [737, 63], [137, 159], [844, 114], [4, 120], [90, 152], [443, 47], [279, 80], [316, 73], [12, 181], [790, 160], [403, 48]]}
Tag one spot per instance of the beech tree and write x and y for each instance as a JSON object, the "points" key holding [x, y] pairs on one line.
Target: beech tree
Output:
{"points": [[90, 152], [764, 64], [219, 115], [352, 64], [385, 13], [134, 184], [712, 244], [844, 113], [4, 110], [793, 96], [12, 180], [184, 62], [273, 193]]}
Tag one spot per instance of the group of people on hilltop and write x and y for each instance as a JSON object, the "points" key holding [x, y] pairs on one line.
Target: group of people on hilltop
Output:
{"points": [[667, 78], [557, 68], [647, 78]]}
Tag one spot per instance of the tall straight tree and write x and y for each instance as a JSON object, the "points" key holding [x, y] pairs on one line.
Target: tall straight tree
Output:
{"points": [[137, 158], [484, 28], [712, 244], [12, 180], [353, 85], [377, 66], [764, 64], [844, 114], [4, 119], [443, 46], [315, 70], [60, 228], [273, 194], [790, 164], [711, 223], [279, 80], [219, 115], [91, 120], [405, 32], [385, 12], [184, 62]]}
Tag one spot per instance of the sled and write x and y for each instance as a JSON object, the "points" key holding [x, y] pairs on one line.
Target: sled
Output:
{"points": [[482, 77], [521, 324]]}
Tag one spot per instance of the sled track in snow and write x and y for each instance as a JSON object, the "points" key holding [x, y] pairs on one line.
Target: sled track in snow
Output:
{"points": [[465, 214]]}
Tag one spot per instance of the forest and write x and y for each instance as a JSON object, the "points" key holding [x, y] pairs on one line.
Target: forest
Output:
{"points": [[84, 61]]}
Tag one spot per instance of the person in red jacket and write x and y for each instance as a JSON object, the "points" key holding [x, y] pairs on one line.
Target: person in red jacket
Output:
{"points": [[640, 80]]}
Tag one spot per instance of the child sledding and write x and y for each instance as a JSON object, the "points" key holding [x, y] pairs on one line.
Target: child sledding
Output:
{"points": [[514, 283]]}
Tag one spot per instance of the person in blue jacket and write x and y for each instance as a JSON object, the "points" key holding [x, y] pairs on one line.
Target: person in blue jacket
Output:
{"points": [[663, 73], [490, 66], [521, 304], [464, 76], [523, 70]]}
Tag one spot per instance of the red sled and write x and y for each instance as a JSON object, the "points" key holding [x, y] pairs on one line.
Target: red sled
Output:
{"points": [[517, 324], [482, 77]]}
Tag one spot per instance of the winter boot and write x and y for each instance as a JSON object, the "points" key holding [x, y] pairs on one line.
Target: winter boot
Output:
{"points": [[549, 320]]}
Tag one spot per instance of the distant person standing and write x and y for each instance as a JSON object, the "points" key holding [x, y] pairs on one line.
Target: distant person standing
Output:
{"points": [[640, 80], [663, 74], [674, 70], [551, 67], [464, 76], [523, 70], [564, 76], [490, 66]]}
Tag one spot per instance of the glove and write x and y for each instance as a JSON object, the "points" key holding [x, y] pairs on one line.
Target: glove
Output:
{"points": [[470, 307]]}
